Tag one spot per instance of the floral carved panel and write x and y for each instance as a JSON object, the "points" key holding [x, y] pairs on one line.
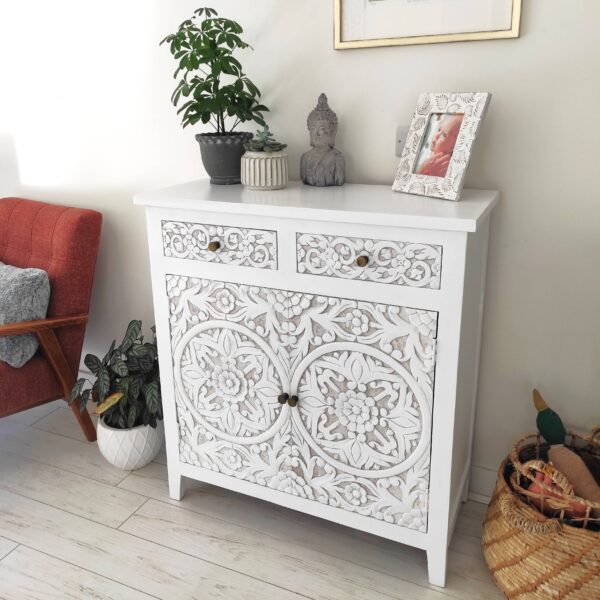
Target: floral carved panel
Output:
{"points": [[363, 373], [239, 246], [400, 263], [359, 436], [230, 362]]}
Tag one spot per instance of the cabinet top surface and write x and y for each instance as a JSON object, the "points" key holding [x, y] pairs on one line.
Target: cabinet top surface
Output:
{"points": [[350, 203]]}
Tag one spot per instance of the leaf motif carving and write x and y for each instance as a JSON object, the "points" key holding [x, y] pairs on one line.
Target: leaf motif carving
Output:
{"points": [[399, 263], [240, 246]]}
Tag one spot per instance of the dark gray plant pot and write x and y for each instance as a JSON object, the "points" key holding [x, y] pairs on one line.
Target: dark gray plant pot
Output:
{"points": [[222, 155]]}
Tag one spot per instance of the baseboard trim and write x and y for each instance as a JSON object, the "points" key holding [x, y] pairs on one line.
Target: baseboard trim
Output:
{"points": [[479, 498], [483, 481]]}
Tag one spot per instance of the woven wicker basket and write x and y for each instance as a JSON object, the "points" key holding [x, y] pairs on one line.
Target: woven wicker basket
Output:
{"points": [[532, 556]]}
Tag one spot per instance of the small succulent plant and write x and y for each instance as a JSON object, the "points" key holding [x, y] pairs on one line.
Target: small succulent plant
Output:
{"points": [[264, 142]]}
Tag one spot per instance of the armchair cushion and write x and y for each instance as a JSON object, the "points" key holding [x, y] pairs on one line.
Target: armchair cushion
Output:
{"points": [[24, 296]]}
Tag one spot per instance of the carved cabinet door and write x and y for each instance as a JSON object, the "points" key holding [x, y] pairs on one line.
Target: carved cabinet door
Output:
{"points": [[230, 363], [358, 438], [363, 374]]}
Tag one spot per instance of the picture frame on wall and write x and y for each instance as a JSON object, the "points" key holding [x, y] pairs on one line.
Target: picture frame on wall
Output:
{"points": [[439, 143], [370, 23]]}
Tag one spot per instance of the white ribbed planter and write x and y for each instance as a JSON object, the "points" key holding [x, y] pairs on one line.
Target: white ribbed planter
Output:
{"points": [[130, 449], [264, 170]]}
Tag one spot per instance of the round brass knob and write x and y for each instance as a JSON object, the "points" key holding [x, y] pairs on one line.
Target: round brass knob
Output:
{"points": [[293, 401], [362, 261], [282, 398], [214, 245]]}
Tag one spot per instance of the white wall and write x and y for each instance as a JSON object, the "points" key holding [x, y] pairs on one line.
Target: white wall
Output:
{"points": [[85, 119]]}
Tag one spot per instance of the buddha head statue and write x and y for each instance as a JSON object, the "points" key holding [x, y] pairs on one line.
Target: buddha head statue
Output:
{"points": [[322, 124]]}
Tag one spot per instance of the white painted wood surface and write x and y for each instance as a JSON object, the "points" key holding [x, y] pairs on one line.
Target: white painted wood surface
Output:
{"points": [[353, 211], [47, 484], [350, 203], [30, 575], [6, 546], [58, 422], [41, 446], [167, 549]]}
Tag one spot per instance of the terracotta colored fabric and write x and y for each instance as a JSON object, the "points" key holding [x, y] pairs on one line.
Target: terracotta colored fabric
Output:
{"points": [[63, 242]]}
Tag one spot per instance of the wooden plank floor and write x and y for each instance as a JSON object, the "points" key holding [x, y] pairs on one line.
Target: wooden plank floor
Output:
{"points": [[73, 527]]}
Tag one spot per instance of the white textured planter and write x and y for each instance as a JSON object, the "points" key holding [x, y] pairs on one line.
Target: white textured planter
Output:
{"points": [[264, 170], [130, 449]]}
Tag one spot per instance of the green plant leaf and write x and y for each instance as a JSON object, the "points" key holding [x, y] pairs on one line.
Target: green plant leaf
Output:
{"points": [[76, 391], [123, 385], [142, 364], [131, 416], [103, 383], [119, 367], [131, 334], [152, 395], [85, 397], [93, 363], [108, 356], [135, 386], [139, 351]]}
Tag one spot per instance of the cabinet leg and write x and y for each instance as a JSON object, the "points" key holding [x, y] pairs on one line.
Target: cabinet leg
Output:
{"points": [[436, 565], [176, 488]]}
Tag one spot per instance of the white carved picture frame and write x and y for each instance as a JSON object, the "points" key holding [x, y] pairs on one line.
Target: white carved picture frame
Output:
{"points": [[473, 106]]}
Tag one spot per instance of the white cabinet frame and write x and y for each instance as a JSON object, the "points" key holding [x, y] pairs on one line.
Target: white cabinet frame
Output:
{"points": [[358, 211]]}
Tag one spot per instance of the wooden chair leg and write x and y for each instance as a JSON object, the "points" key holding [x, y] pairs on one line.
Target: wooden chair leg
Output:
{"points": [[56, 358], [85, 421]]}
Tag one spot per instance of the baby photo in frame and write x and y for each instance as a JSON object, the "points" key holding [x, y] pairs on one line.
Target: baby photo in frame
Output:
{"points": [[439, 142]]}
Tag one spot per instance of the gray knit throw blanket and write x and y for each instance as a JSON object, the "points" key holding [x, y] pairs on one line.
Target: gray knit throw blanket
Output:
{"points": [[24, 296]]}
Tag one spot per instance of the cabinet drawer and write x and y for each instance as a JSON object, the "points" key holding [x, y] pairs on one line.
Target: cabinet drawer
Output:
{"points": [[392, 262], [225, 244]]}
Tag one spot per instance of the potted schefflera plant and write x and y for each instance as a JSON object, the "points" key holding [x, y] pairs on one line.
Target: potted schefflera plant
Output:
{"points": [[214, 90], [265, 164], [127, 393]]}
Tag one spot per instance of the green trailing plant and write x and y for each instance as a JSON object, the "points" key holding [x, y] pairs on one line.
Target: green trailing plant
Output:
{"points": [[264, 142], [212, 84], [126, 388]]}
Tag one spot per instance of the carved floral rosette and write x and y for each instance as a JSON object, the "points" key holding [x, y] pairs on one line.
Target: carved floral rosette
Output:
{"points": [[473, 106], [399, 263], [239, 246], [359, 437]]}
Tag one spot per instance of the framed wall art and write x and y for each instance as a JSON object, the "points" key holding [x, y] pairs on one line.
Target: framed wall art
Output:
{"points": [[439, 142], [369, 23]]}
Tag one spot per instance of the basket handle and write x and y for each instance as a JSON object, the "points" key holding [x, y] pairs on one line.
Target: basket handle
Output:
{"points": [[595, 433], [516, 515], [531, 467]]}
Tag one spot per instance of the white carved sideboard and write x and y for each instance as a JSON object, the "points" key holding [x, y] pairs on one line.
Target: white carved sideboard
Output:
{"points": [[319, 349]]}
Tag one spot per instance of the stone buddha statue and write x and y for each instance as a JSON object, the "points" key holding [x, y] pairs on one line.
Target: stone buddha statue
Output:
{"points": [[323, 165]]}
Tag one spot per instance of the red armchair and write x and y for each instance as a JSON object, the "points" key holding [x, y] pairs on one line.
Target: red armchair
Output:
{"points": [[63, 242]]}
